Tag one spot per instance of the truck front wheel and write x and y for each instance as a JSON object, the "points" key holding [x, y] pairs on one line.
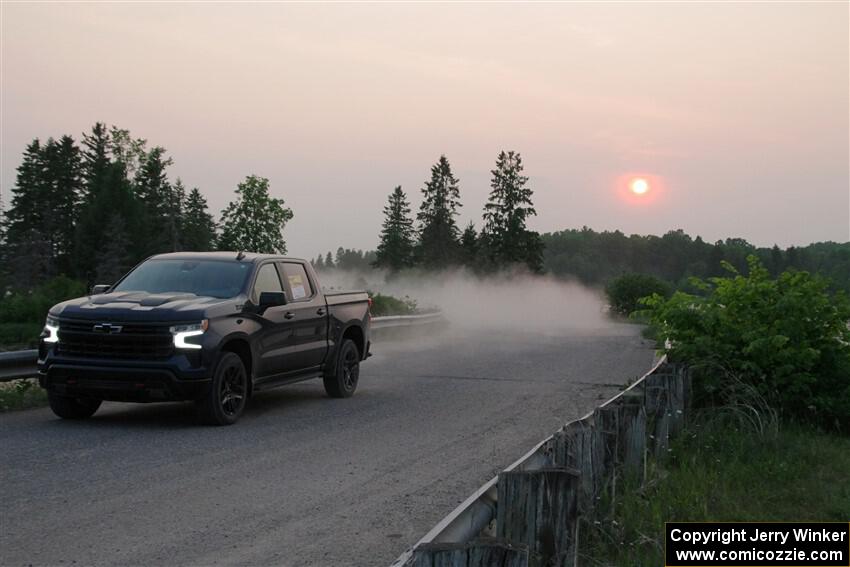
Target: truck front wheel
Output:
{"points": [[343, 382], [72, 408], [228, 393]]}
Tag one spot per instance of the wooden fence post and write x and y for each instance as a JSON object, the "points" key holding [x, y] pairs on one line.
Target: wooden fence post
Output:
{"points": [[540, 509], [658, 412], [605, 432], [573, 447], [678, 387], [631, 436], [473, 554]]}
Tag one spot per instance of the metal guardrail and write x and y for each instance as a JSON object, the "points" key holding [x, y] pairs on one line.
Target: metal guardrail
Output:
{"points": [[472, 516], [18, 364], [391, 321], [22, 363]]}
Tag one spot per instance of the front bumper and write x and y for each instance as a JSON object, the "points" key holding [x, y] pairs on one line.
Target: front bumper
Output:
{"points": [[176, 378]]}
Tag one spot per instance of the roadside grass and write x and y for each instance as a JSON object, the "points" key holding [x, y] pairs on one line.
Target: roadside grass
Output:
{"points": [[21, 394], [718, 471]]}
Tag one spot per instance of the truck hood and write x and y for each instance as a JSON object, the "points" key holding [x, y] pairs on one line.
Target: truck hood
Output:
{"points": [[146, 307]]}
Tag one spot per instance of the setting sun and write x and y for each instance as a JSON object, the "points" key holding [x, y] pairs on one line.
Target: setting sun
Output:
{"points": [[639, 186]]}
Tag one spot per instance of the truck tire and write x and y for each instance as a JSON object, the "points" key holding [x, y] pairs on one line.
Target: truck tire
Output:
{"points": [[72, 408], [228, 393], [343, 382]]}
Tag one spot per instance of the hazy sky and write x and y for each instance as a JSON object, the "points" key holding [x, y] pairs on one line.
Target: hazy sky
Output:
{"points": [[738, 112]]}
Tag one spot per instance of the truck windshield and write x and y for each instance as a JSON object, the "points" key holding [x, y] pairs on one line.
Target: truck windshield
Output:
{"points": [[202, 277]]}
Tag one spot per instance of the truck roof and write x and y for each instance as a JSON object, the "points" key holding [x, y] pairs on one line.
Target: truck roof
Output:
{"points": [[222, 256]]}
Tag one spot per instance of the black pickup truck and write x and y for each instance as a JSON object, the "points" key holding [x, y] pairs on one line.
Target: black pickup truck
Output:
{"points": [[212, 327]]}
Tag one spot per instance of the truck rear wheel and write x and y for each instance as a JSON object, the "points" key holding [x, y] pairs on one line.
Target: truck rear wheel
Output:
{"points": [[343, 382], [228, 393], [72, 408]]}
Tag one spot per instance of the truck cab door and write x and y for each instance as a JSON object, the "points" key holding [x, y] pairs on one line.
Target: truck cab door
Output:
{"points": [[307, 344], [276, 324]]}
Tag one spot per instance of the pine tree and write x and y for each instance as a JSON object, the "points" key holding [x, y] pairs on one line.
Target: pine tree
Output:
{"points": [[469, 246], [96, 165], [96, 159], [198, 227], [26, 252], [157, 197], [395, 250], [113, 205], [115, 259], [319, 262], [505, 235], [64, 175], [175, 209], [40, 221], [329, 260], [438, 231], [254, 221]]}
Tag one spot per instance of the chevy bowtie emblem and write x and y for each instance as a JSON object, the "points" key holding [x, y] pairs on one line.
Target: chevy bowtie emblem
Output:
{"points": [[108, 328]]}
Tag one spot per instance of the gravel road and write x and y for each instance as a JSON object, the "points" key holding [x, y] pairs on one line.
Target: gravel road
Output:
{"points": [[302, 479]]}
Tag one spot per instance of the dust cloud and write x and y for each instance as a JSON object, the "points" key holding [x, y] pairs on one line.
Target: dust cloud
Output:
{"points": [[507, 302]]}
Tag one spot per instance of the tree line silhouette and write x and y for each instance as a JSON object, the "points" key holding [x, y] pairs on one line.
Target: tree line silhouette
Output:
{"points": [[438, 243], [91, 210]]}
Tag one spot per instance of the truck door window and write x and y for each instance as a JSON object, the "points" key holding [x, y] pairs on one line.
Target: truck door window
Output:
{"points": [[267, 280], [297, 283]]}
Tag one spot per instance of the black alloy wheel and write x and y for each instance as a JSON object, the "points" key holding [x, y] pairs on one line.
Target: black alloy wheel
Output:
{"points": [[343, 383], [225, 400]]}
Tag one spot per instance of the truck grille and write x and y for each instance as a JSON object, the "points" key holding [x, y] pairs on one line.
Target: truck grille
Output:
{"points": [[79, 338]]}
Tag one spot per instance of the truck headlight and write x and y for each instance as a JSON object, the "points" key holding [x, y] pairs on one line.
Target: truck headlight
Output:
{"points": [[51, 330], [183, 332]]}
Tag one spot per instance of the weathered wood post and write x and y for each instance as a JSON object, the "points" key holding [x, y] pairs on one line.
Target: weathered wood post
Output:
{"points": [[473, 554], [573, 448], [679, 386], [667, 401], [605, 439], [539, 509], [631, 438], [658, 409]]}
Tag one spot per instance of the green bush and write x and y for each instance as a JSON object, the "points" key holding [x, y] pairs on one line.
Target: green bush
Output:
{"points": [[383, 305], [785, 339], [22, 313], [625, 291]]}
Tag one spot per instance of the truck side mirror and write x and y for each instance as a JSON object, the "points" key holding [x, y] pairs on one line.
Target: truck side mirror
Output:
{"points": [[271, 299], [100, 288]]}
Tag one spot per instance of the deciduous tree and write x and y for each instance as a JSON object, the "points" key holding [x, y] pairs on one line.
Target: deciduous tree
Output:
{"points": [[254, 221]]}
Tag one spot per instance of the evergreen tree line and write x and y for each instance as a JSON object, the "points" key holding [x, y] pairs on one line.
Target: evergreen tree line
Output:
{"points": [[596, 258], [92, 210], [434, 240], [346, 259]]}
